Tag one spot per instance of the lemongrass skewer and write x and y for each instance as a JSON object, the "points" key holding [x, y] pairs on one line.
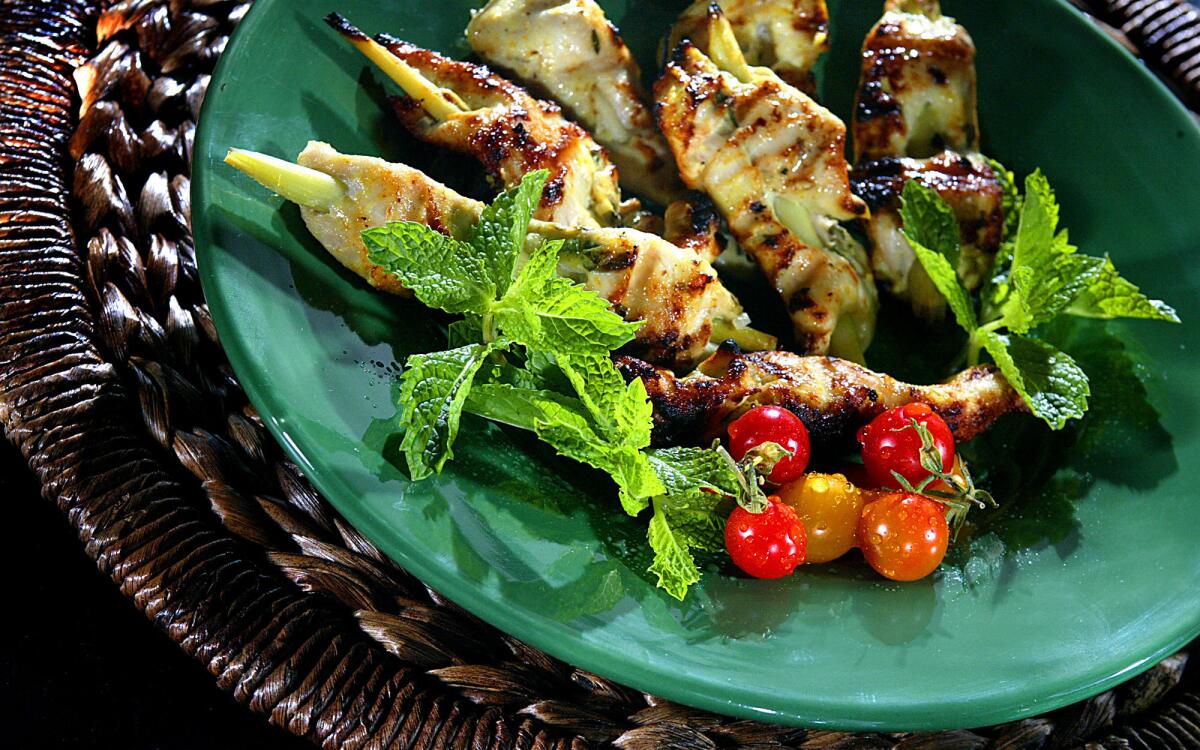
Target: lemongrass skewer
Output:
{"points": [[300, 185], [440, 103], [319, 191]]}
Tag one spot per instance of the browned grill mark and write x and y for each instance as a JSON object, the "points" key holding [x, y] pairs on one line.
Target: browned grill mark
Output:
{"points": [[832, 396]]}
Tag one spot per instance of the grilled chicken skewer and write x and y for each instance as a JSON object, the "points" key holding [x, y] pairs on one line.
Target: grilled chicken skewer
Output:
{"points": [[512, 133], [916, 96], [569, 50], [832, 396], [676, 293], [787, 36], [915, 118], [508, 131], [772, 160], [968, 185]]}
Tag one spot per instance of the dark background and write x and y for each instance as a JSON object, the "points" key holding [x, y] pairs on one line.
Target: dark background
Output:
{"points": [[80, 666]]}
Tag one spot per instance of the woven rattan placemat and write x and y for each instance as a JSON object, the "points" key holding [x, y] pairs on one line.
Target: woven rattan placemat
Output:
{"points": [[114, 387]]}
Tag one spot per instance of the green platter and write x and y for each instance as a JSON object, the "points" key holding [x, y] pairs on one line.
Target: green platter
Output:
{"points": [[1088, 576]]}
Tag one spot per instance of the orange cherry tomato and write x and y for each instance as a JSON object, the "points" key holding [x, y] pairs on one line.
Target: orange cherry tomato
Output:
{"points": [[904, 536], [829, 506]]}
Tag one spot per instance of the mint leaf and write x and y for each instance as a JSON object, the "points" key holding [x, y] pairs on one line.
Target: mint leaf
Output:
{"points": [[1039, 218], [622, 410], [1052, 384], [556, 316], [433, 390], [1041, 292], [929, 221], [694, 477], [520, 407], [673, 563], [441, 271], [573, 436], [635, 478], [500, 234], [1109, 295], [699, 530], [1047, 274], [932, 231]]}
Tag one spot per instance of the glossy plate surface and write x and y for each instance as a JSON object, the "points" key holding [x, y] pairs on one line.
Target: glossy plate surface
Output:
{"points": [[1089, 575]]}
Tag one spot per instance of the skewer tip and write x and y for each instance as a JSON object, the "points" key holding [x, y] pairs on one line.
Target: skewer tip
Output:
{"points": [[301, 185]]}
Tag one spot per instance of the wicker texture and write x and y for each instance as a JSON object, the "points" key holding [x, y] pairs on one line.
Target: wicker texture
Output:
{"points": [[1165, 32], [114, 387]]}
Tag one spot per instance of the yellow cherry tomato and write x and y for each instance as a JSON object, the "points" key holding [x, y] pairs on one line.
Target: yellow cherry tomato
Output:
{"points": [[829, 505]]}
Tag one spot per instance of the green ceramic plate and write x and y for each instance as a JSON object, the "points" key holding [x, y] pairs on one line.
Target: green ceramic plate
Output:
{"points": [[1090, 573]]}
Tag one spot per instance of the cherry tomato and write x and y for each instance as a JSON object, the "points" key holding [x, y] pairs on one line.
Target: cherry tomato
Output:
{"points": [[772, 424], [766, 545], [903, 536], [829, 506], [889, 443]]}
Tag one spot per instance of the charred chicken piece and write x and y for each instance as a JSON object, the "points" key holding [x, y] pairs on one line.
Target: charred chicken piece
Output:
{"points": [[916, 120], [568, 50], [772, 160], [787, 36], [508, 131], [676, 293], [967, 184], [832, 396], [916, 96], [694, 223]]}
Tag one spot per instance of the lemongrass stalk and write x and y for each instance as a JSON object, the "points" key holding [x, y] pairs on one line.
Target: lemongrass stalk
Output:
{"points": [[723, 48], [301, 185], [748, 339], [440, 103]]}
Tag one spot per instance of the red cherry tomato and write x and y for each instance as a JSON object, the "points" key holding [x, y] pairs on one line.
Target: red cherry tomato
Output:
{"points": [[889, 443], [766, 545], [772, 424], [903, 536]]}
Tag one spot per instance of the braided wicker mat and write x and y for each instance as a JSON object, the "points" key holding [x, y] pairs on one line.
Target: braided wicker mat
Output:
{"points": [[115, 388]]}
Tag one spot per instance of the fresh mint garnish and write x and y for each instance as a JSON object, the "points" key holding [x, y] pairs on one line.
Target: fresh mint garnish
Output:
{"points": [[1038, 276], [532, 351]]}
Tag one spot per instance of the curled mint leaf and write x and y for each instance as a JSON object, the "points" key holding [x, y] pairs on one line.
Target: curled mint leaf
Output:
{"points": [[433, 390], [673, 563], [932, 231]]}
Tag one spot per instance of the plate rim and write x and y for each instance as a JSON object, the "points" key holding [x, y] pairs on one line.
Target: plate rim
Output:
{"points": [[813, 712]]}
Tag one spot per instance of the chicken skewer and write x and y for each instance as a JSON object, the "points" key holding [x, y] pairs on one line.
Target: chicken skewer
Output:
{"points": [[569, 50], [508, 131], [915, 118], [772, 160], [832, 396], [511, 133], [917, 93], [787, 36], [684, 308]]}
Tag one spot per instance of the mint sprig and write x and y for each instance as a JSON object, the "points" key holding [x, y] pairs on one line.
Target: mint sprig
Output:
{"points": [[1038, 276], [532, 351]]}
